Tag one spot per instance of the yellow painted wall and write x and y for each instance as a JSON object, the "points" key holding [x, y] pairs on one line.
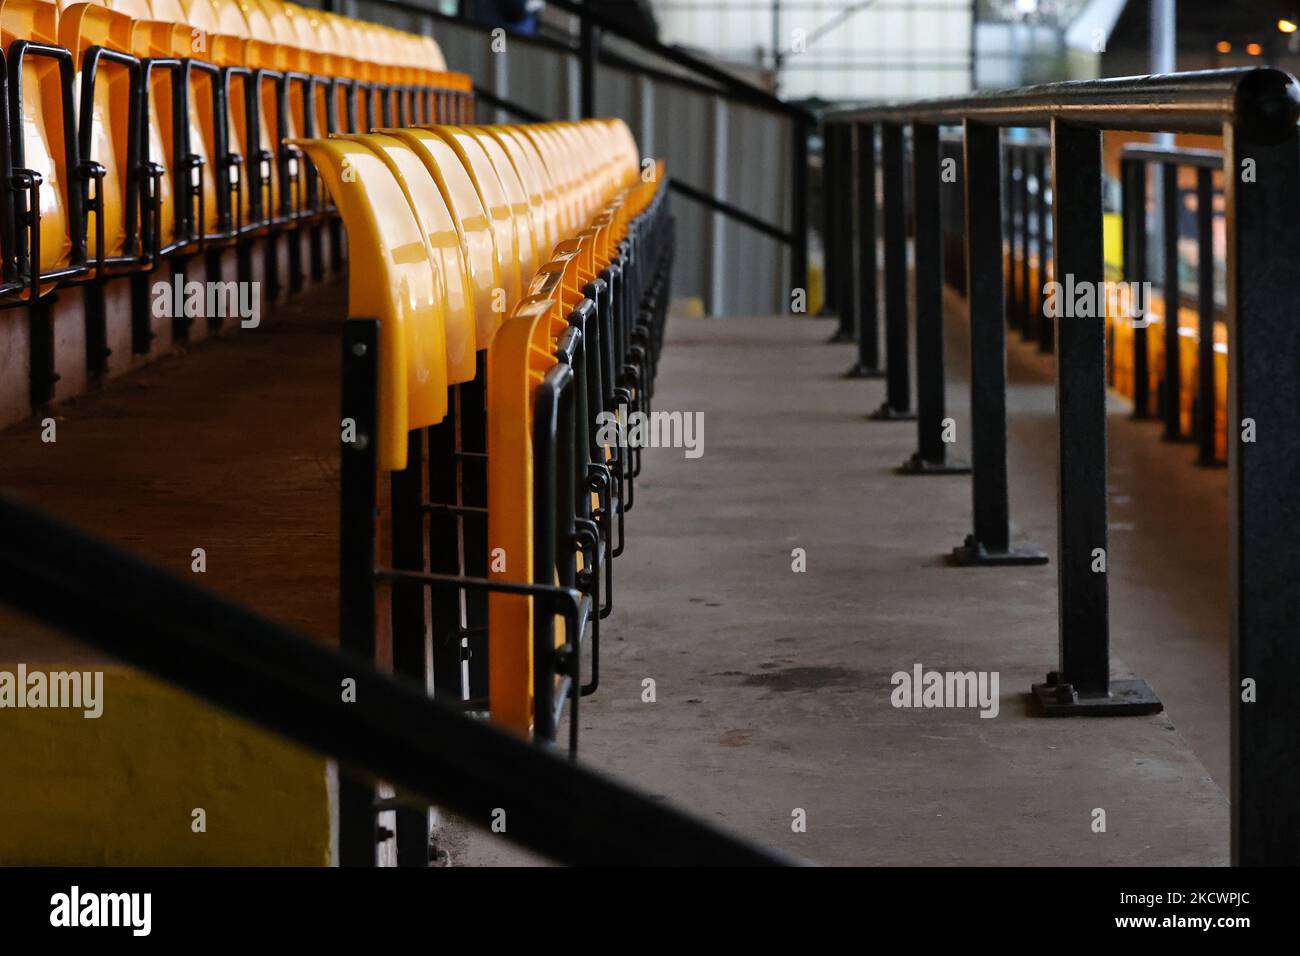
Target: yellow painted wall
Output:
{"points": [[120, 789]]}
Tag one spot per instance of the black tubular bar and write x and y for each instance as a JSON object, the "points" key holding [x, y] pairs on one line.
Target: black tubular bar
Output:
{"points": [[898, 381], [1046, 331], [358, 557], [1173, 296], [868, 321], [1259, 100], [1264, 490], [1206, 400], [290, 684], [1133, 206], [931, 456], [1027, 329], [990, 541], [830, 182], [1015, 238], [1082, 682], [843, 199]]}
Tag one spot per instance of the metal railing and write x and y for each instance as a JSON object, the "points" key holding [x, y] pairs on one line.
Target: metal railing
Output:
{"points": [[1255, 111]]}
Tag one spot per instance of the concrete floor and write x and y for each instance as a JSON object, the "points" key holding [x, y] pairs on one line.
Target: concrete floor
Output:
{"points": [[773, 687]]}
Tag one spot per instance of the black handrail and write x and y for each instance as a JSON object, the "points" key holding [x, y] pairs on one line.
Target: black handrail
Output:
{"points": [[1256, 113], [290, 684], [1262, 101]]}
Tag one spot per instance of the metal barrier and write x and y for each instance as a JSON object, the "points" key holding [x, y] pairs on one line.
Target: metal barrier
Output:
{"points": [[1255, 111], [1134, 164]]}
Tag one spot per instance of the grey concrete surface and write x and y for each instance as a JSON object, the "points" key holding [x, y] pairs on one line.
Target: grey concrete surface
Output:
{"points": [[773, 687]]}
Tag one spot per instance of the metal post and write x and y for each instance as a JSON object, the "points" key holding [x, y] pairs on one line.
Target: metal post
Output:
{"points": [[868, 363], [1046, 330], [799, 206], [1264, 494], [1013, 236], [444, 544], [1133, 181], [357, 477], [989, 544], [1206, 400], [898, 383], [930, 458], [846, 201], [588, 51], [830, 264], [410, 634], [1026, 317], [473, 451], [1173, 295], [1082, 685]]}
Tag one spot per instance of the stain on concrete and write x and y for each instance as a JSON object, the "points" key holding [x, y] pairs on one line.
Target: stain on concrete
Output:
{"points": [[806, 678]]}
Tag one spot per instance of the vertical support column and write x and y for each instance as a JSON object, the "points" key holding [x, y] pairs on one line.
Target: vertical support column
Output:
{"points": [[1028, 330], [799, 206], [830, 210], [1014, 251], [474, 532], [989, 543], [1133, 182], [1082, 685], [930, 458], [588, 51], [1264, 494], [1206, 401], [898, 378], [868, 363], [1173, 381], [411, 638], [846, 200], [357, 483], [1046, 325]]}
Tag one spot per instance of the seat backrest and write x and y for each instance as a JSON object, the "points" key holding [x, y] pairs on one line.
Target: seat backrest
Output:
{"points": [[494, 199], [451, 282], [516, 195], [541, 197], [473, 224], [389, 249]]}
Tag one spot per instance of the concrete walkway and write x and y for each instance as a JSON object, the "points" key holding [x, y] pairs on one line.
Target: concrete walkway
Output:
{"points": [[773, 687]]}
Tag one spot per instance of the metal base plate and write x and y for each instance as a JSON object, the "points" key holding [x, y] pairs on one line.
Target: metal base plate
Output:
{"points": [[1128, 698], [974, 554], [858, 370], [916, 465], [887, 413]]}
